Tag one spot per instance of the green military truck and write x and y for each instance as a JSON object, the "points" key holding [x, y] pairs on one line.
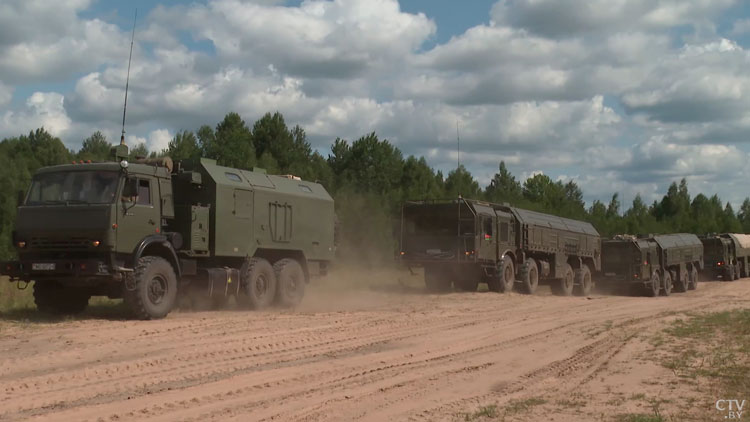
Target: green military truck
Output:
{"points": [[652, 265], [463, 242], [727, 256], [146, 231]]}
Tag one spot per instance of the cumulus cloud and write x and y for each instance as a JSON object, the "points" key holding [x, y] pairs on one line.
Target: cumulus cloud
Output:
{"points": [[616, 95], [41, 109]]}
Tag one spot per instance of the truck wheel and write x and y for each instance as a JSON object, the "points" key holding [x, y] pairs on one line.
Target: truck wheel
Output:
{"points": [[470, 285], [655, 287], [55, 299], [290, 282], [667, 288], [529, 276], [505, 277], [728, 273], [436, 280], [681, 285], [583, 281], [259, 283], [693, 279], [155, 290], [565, 284]]}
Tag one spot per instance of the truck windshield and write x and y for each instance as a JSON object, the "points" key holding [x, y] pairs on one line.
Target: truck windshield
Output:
{"points": [[73, 187]]}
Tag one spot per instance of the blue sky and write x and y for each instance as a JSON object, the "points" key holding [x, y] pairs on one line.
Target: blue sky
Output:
{"points": [[620, 96]]}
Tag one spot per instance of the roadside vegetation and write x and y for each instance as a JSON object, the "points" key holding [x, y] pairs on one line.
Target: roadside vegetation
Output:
{"points": [[716, 347]]}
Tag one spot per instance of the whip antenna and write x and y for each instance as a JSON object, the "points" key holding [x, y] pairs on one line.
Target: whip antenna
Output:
{"points": [[127, 80], [458, 148]]}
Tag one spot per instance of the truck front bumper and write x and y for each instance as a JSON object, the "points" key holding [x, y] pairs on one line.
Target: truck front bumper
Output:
{"points": [[34, 269]]}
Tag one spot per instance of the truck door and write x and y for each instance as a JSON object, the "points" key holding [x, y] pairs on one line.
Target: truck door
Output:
{"points": [[505, 230], [138, 212], [487, 238]]}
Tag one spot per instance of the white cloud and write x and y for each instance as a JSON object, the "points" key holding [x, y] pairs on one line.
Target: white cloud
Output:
{"points": [[6, 94], [41, 109]]}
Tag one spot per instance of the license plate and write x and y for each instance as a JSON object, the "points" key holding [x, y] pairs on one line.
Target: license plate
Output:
{"points": [[38, 266]]}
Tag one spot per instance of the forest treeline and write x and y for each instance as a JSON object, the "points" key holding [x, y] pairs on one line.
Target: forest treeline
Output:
{"points": [[369, 178]]}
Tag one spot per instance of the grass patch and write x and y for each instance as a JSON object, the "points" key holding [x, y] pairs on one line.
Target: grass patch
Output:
{"points": [[714, 346], [484, 412], [639, 417], [518, 406]]}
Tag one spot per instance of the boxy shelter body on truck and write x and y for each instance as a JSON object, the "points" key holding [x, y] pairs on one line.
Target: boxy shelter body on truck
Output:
{"points": [[464, 242]]}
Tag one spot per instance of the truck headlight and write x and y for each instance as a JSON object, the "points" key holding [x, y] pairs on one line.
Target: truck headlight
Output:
{"points": [[95, 243], [21, 244]]}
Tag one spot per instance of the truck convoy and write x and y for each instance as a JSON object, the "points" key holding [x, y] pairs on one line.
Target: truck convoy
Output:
{"points": [[465, 242], [653, 265], [727, 256], [148, 230]]}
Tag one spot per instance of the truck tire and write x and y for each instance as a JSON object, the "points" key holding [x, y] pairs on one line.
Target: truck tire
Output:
{"points": [[290, 282], [528, 275], [436, 280], [55, 299], [693, 279], [564, 286], [655, 287], [259, 283], [666, 284], [155, 290], [681, 284], [505, 278], [728, 273], [583, 281], [470, 285]]}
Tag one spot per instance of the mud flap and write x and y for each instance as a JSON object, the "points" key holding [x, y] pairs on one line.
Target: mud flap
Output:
{"points": [[223, 282]]}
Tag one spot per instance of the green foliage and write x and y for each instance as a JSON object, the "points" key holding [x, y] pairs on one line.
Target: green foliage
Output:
{"points": [[183, 146], [369, 179], [95, 148]]}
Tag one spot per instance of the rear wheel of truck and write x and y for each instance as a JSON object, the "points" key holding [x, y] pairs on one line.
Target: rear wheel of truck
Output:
{"points": [[55, 299], [528, 275], [259, 283], [655, 287], [681, 284], [728, 273], [583, 281], [667, 284], [693, 279], [505, 278], [564, 286], [155, 290], [290, 282], [436, 280]]}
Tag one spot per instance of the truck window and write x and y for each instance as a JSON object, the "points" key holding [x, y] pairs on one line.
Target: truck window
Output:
{"points": [[487, 227], [144, 192]]}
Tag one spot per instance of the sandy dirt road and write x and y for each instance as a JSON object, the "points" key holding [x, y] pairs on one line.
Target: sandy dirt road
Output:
{"points": [[359, 355]]}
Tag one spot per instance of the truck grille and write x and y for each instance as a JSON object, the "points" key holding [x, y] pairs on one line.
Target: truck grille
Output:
{"points": [[75, 243]]}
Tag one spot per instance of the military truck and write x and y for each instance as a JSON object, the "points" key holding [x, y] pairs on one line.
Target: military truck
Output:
{"points": [[148, 230], [464, 242], [652, 265], [727, 256]]}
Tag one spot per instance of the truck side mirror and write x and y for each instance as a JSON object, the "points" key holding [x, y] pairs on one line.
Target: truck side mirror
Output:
{"points": [[131, 188]]}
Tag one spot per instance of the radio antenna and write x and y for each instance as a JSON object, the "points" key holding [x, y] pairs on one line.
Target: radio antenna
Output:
{"points": [[127, 80], [458, 148]]}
